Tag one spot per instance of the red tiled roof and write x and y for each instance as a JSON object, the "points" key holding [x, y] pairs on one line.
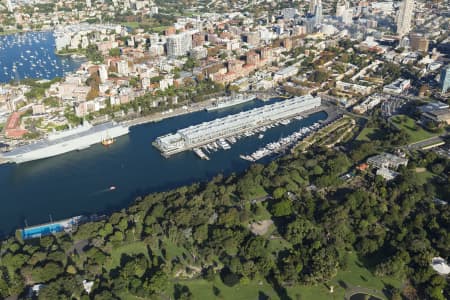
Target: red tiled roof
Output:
{"points": [[13, 121]]}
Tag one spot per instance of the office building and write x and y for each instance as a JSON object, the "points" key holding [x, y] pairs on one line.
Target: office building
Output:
{"points": [[318, 12], [404, 17], [198, 53], [341, 6], [289, 13], [418, 42], [445, 79], [9, 5], [252, 38], [315, 12], [387, 160], [179, 44], [310, 24], [344, 12], [103, 73], [252, 58], [397, 87], [312, 6], [122, 67]]}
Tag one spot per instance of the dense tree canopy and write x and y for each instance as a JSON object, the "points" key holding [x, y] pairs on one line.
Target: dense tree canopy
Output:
{"points": [[203, 231]]}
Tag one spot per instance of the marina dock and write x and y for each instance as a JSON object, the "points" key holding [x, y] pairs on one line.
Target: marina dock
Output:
{"points": [[282, 144]]}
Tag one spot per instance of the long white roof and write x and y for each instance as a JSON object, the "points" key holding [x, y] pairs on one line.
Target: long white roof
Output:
{"points": [[250, 117], [231, 124]]}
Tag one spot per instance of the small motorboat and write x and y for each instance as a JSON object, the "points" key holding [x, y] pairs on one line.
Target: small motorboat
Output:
{"points": [[112, 188]]}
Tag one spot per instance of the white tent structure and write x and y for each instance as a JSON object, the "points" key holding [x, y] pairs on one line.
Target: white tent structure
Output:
{"points": [[88, 286], [440, 265]]}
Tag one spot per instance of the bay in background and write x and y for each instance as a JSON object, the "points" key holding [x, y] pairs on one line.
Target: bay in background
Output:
{"points": [[32, 55]]}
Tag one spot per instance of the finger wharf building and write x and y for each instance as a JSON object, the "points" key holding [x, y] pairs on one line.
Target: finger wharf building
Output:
{"points": [[204, 133]]}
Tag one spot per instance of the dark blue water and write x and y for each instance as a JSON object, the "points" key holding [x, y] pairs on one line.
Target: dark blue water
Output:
{"points": [[78, 182], [33, 56]]}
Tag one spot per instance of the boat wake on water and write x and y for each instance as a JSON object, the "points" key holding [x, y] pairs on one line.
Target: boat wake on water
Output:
{"points": [[102, 191]]}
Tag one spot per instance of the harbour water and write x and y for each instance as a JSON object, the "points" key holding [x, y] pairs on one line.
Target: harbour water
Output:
{"points": [[79, 182], [31, 55]]}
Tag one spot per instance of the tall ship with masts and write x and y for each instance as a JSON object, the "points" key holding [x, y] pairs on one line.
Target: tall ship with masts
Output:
{"points": [[107, 140]]}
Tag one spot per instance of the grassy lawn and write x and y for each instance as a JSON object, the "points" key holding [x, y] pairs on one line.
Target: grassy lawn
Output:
{"points": [[172, 250], [132, 248], [277, 245], [127, 296], [258, 192], [356, 275], [415, 132], [424, 175], [263, 214], [132, 25], [159, 29], [364, 135], [202, 289]]}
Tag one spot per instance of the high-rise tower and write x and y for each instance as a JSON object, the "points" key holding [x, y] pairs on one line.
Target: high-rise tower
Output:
{"points": [[318, 12], [445, 79], [341, 6], [9, 5], [312, 6], [405, 17]]}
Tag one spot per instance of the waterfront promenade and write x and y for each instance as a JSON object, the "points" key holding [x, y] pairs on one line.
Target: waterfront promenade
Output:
{"points": [[159, 116]]}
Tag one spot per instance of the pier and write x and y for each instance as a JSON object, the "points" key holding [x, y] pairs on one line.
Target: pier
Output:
{"points": [[234, 125], [214, 145]]}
